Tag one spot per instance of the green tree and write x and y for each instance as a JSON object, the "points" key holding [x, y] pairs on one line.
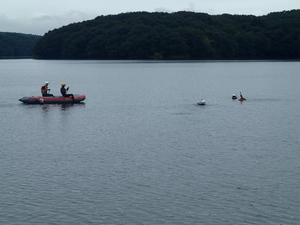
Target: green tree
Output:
{"points": [[180, 35]]}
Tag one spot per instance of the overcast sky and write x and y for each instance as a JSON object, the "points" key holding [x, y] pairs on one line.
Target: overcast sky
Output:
{"points": [[40, 16]]}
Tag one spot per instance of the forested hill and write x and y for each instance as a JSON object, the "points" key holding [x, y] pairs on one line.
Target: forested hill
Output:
{"points": [[15, 45], [181, 35]]}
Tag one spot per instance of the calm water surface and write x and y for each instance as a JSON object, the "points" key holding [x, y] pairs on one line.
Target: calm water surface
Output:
{"points": [[141, 151]]}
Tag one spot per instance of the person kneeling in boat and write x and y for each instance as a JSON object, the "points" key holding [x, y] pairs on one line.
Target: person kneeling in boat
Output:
{"points": [[64, 90], [45, 90]]}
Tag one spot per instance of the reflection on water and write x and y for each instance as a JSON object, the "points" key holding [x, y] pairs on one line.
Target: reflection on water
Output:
{"points": [[46, 107]]}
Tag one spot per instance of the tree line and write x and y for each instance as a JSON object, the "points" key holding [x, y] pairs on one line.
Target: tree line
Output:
{"points": [[15, 45], [180, 35]]}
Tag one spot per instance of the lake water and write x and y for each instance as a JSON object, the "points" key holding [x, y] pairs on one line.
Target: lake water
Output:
{"points": [[141, 151]]}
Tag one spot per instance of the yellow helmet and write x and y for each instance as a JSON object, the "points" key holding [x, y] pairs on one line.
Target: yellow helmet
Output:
{"points": [[63, 84]]}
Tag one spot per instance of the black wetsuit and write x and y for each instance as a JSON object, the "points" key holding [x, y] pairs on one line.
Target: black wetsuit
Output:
{"points": [[64, 90]]}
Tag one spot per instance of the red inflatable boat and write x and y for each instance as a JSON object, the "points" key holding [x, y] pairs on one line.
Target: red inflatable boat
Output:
{"points": [[52, 100]]}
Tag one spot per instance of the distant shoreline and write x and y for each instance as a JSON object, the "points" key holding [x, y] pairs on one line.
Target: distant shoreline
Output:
{"points": [[16, 57], [161, 60]]}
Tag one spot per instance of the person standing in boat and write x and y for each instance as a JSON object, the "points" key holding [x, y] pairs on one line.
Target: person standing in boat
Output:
{"points": [[64, 90], [45, 90]]}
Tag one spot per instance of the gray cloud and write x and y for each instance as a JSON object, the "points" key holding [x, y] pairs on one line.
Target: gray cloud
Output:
{"points": [[43, 18], [41, 23], [161, 9], [38, 17]]}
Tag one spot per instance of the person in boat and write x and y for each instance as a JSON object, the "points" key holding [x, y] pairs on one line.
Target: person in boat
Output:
{"points": [[64, 90], [45, 90], [241, 97], [234, 96]]}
